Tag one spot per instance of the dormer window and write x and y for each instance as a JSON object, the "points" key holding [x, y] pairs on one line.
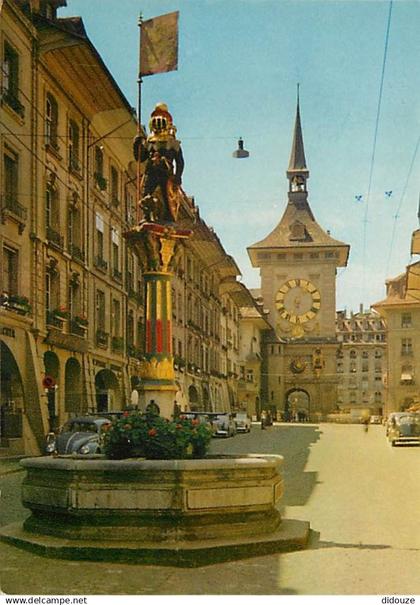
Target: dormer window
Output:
{"points": [[297, 231]]}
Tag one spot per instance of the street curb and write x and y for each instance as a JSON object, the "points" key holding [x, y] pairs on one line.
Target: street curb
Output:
{"points": [[11, 471]]}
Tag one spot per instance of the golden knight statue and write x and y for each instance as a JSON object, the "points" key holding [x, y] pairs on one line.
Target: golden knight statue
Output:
{"points": [[160, 195]]}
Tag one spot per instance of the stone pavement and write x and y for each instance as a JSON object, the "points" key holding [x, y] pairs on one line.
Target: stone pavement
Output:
{"points": [[360, 495]]}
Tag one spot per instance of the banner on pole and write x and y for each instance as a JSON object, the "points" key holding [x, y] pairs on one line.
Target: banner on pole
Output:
{"points": [[159, 44]]}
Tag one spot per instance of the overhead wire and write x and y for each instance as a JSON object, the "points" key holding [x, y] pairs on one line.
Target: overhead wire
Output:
{"points": [[396, 215], [375, 138]]}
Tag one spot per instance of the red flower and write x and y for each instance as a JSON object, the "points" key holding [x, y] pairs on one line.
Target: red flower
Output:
{"points": [[152, 432], [125, 414], [127, 427], [195, 421]]}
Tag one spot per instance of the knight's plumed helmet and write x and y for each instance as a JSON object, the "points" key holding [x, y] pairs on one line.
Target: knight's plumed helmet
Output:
{"points": [[161, 123]]}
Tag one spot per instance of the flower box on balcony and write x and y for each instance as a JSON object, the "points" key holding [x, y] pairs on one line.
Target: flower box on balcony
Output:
{"points": [[100, 181], [18, 304], [117, 343], [102, 338], [101, 264]]}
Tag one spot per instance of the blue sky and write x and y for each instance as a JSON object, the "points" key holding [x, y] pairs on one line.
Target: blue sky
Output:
{"points": [[239, 63]]}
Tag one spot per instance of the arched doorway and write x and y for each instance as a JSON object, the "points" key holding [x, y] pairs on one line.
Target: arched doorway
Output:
{"points": [[297, 405], [193, 398], [73, 387], [206, 399], [52, 369], [108, 392], [11, 395]]}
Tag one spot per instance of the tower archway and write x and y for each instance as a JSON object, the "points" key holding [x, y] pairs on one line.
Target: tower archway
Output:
{"points": [[297, 404]]}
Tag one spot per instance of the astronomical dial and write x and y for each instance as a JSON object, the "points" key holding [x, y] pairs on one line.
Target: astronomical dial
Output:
{"points": [[298, 301]]}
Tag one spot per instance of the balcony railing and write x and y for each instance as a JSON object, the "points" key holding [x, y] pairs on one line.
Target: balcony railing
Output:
{"points": [[54, 237], [100, 181], [54, 320], [15, 303], [74, 164], [101, 264], [102, 338], [77, 253], [137, 296], [117, 274], [117, 343], [9, 98], [134, 351], [10, 204], [77, 329]]}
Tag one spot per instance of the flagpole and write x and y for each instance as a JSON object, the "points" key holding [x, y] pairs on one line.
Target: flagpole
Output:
{"points": [[139, 82]]}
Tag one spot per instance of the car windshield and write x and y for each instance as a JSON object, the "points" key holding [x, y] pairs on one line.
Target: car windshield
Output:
{"points": [[80, 427], [409, 420]]}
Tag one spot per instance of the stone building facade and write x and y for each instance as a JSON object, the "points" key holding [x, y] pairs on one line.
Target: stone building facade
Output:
{"points": [[401, 313], [71, 306], [361, 362]]}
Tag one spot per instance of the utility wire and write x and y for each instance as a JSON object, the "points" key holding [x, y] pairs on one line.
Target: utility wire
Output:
{"points": [[375, 137], [396, 216]]}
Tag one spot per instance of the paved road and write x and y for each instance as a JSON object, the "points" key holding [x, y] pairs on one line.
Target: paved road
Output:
{"points": [[360, 495]]}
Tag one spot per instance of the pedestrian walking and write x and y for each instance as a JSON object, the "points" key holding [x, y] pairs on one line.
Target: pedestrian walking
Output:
{"points": [[263, 419]]}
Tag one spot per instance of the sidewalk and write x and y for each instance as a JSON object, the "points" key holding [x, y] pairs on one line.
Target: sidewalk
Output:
{"points": [[10, 465]]}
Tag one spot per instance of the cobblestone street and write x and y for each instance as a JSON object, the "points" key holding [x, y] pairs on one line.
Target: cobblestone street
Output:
{"points": [[359, 494]]}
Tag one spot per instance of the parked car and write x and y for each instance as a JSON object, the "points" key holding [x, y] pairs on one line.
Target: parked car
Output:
{"points": [[224, 425], [81, 435], [392, 416], [242, 421], [404, 428], [202, 417]]}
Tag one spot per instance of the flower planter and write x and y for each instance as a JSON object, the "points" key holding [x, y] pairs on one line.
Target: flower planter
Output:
{"points": [[170, 512]]}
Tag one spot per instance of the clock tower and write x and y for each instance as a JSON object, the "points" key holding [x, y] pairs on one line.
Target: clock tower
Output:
{"points": [[298, 261]]}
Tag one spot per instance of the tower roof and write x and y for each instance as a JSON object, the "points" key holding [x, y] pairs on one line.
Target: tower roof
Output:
{"points": [[297, 162], [298, 229]]}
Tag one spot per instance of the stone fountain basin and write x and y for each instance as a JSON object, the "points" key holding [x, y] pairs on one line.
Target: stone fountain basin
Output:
{"points": [[169, 512]]}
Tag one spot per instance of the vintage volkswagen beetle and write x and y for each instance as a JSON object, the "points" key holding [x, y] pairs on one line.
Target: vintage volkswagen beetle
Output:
{"points": [[82, 435], [404, 428]]}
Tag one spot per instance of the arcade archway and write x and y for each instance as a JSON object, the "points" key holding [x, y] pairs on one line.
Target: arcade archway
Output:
{"points": [[108, 392], [52, 370], [73, 387], [193, 398], [11, 395]]}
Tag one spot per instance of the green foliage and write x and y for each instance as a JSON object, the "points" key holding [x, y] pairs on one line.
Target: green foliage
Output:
{"points": [[153, 437]]}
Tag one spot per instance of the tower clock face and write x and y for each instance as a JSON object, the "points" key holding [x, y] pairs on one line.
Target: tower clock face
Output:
{"points": [[298, 301]]}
